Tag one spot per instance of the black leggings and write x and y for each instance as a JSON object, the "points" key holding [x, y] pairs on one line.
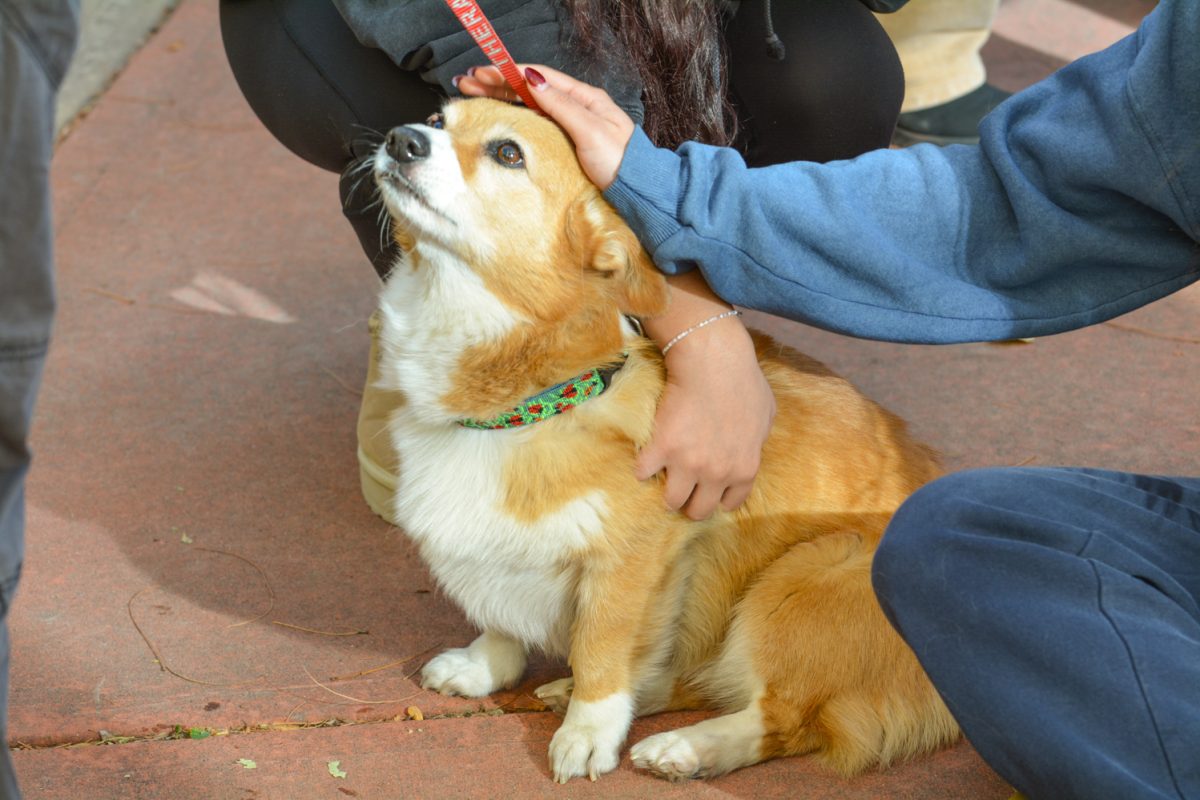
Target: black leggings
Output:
{"points": [[326, 96]]}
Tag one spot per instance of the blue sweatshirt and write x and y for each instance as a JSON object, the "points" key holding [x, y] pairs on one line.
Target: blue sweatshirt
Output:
{"points": [[1081, 202]]}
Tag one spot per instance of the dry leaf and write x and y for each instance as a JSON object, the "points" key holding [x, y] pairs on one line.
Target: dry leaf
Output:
{"points": [[414, 713], [335, 769]]}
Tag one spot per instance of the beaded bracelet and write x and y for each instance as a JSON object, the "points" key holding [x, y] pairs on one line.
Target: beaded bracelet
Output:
{"points": [[731, 313]]}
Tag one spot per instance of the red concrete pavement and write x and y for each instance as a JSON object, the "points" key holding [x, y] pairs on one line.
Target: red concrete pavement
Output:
{"points": [[483, 757], [195, 489]]}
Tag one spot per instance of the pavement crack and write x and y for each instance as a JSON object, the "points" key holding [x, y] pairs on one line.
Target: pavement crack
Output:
{"points": [[178, 732]]}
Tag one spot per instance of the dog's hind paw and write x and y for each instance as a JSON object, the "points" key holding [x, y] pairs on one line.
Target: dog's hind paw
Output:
{"points": [[556, 694], [667, 755], [706, 749]]}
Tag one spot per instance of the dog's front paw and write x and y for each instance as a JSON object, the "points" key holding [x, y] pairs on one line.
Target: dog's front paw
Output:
{"points": [[589, 741], [576, 751], [454, 673], [668, 755], [556, 694], [491, 663]]}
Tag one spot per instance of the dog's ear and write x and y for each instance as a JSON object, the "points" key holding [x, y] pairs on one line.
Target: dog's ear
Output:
{"points": [[614, 253]]}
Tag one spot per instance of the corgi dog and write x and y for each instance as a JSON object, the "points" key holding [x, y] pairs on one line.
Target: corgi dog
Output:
{"points": [[526, 393]]}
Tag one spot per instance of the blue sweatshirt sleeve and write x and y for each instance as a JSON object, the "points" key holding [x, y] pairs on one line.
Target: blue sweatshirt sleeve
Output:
{"points": [[1081, 202]]}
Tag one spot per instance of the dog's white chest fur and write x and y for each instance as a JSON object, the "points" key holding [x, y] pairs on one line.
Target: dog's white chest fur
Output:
{"points": [[510, 576]]}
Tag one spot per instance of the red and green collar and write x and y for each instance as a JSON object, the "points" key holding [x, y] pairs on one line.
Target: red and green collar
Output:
{"points": [[554, 400]]}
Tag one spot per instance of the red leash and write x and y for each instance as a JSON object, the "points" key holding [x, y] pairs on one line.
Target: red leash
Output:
{"points": [[481, 30]]}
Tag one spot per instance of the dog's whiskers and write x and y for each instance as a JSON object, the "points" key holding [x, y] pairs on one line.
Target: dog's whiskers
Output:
{"points": [[358, 170], [384, 222], [360, 164], [354, 190], [368, 129]]}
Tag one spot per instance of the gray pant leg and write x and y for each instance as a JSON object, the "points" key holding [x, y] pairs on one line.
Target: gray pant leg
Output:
{"points": [[37, 38]]}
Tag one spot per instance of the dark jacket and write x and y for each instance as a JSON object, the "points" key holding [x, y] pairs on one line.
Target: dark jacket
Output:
{"points": [[424, 35]]}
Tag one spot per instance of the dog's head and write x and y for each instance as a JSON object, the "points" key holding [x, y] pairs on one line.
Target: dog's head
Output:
{"points": [[516, 272], [499, 187]]}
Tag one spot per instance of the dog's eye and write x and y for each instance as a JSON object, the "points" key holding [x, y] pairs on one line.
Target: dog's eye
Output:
{"points": [[509, 154], [436, 121]]}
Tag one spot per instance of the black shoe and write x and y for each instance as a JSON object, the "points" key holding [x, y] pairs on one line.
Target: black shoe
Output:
{"points": [[956, 122]]}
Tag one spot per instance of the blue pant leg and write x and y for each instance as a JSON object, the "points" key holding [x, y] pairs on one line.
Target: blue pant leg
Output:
{"points": [[36, 42], [1057, 612]]}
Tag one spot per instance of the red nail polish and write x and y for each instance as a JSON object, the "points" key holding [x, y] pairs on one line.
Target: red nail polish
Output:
{"points": [[454, 81], [536, 79], [471, 71]]}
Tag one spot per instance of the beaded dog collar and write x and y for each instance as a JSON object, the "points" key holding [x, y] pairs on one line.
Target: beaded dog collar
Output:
{"points": [[554, 400]]}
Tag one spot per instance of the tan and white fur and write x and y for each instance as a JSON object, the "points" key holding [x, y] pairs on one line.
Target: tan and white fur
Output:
{"points": [[517, 275]]}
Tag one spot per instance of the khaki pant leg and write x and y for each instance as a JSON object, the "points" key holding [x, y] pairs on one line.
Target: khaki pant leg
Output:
{"points": [[939, 42], [378, 462]]}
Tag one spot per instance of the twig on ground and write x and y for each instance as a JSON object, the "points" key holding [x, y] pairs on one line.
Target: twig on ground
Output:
{"points": [[154, 650], [133, 301], [178, 309], [385, 666], [120, 298], [266, 582], [1153, 334], [288, 719], [341, 381], [319, 633], [355, 699]]}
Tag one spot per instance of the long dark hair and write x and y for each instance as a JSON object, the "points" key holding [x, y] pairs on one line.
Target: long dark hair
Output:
{"points": [[676, 48]]}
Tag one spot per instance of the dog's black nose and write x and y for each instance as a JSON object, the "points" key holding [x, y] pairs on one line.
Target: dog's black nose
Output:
{"points": [[406, 144]]}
